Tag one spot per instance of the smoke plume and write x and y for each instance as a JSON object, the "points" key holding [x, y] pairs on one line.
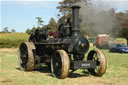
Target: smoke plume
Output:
{"points": [[96, 18]]}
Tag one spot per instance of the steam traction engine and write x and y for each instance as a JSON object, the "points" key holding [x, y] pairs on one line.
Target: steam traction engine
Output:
{"points": [[62, 53]]}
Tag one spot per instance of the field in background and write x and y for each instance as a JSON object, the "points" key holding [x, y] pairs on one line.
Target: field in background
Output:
{"points": [[119, 40], [122, 40], [10, 74], [8, 40]]}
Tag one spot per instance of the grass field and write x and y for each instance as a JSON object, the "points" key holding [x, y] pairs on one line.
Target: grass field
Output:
{"points": [[9, 40], [10, 74], [14, 36]]}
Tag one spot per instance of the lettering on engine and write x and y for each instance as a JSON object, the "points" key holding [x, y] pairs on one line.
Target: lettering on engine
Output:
{"points": [[85, 64]]}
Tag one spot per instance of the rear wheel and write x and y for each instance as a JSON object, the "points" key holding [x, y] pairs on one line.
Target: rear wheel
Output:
{"points": [[26, 56], [101, 62], [60, 64]]}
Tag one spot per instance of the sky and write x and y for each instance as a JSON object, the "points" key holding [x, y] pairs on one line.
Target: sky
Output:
{"points": [[21, 14]]}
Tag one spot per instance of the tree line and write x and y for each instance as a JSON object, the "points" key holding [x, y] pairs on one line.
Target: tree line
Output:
{"points": [[5, 30], [51, 26], [119, 30]]}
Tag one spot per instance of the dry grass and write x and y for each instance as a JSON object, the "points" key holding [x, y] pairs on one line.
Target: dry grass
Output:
{"points": [[117, 72], [8, 50]]}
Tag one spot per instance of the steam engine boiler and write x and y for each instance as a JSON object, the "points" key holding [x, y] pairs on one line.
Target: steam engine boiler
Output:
{"points": [[62, 53]]}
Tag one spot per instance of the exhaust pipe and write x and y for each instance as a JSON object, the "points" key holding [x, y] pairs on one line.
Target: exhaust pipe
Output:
{"points": [[75, 20]]}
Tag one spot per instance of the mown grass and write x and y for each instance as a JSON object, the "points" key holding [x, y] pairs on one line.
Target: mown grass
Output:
{"points": [[10, 74], [8, 40]]}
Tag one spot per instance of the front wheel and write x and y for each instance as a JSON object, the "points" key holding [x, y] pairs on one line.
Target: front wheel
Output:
{"points": [[60, 64], [26, 56], [101, 62]]}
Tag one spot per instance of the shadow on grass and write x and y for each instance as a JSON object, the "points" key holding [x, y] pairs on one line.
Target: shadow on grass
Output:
{"points": [[76, 75], [40, 69], [43, 69], [71, 74]]}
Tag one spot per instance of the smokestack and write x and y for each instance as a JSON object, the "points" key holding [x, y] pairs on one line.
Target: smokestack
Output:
{"points": [[75, 20]]}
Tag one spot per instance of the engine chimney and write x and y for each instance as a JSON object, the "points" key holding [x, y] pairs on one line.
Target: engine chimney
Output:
{"points": [[75, 20]]}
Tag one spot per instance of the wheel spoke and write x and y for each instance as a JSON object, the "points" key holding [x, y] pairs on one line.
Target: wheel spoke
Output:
{"points": [[97, 62], [97, 69]]}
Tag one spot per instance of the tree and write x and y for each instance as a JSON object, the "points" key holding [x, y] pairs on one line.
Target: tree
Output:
{"points": [[126, 27], [28, 31], [122, 18], [65, 5], [33, 29], [65, 9], [125, 30], [40, 22], [40, 26], [13, 31], [5, 29], [52, 26]]}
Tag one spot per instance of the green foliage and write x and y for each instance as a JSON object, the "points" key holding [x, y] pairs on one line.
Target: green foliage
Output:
{"points": [[52, 26], [5, 30], [33, 29], [28, 31], [9, 40], [40, 26], [13, 31], [64, 6], [40, 21]]}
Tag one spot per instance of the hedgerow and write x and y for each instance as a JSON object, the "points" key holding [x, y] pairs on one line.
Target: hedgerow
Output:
{"points": [[9, 40]]}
